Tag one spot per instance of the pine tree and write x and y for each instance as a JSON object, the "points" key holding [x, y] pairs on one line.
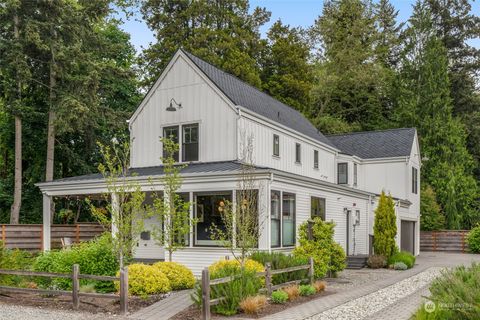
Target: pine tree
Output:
{"points": [[424, 101], [287, 73], [350, 83], [385, 227], [224, 33]]}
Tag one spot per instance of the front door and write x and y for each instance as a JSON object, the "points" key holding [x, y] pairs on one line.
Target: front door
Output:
{"points": [[407, 236]]}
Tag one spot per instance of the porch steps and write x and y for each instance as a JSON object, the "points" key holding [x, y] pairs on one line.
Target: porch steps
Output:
{"points": [[357, 262]]}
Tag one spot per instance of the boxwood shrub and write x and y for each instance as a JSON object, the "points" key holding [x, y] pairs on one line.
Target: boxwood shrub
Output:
{"points": [[402, 256], [180, 277]]}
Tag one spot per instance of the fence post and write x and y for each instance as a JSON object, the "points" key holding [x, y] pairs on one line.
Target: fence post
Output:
{"points": [[77, 233], [75, 286], [124, 290], [311, 271], [268, 278], [205, 294]]}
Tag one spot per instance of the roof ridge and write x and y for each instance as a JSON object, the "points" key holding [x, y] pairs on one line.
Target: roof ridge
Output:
{"points": [[246, 83], [370, 131]]}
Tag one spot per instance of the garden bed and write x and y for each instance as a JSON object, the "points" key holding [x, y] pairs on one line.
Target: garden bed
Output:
{"points": [[88, 304], [193, 312]]}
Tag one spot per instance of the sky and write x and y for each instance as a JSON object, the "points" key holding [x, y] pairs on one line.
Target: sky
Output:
{"points": [[293, 12]]}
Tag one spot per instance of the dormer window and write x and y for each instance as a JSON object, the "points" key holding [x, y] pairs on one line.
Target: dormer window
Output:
{"points": [[342, 173], [315, 159], [355, 174]]}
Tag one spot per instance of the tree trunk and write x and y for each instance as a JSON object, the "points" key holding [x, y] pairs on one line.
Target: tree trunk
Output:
{"points": [[17, 193], [51, 117]]}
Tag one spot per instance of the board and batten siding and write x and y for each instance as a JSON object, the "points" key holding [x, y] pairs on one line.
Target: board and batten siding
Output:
{"points": [[201, 104], [335, 204], [262, 135]]}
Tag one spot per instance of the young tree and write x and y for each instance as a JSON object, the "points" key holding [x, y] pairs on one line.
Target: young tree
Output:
{"points": [[385, 227], [241, 222], [125, 210], [431, 217], [170, 210]]}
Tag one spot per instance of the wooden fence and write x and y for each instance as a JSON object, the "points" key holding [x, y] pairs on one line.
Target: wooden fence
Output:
{"points": [[75, 293], [444, 240], [30, 236], [207, 302]]}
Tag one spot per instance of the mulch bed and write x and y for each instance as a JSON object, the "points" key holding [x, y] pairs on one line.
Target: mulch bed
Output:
{"points": [[88, 304], [193, 312]]}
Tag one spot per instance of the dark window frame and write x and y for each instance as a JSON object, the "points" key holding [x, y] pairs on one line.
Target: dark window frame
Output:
{"points": [[298, 152], [276, 145], [294, 218], [355, 174], [312, 214], [315, 159], [345, 164], [176, 155], [278, 219], [184, 143], [414, 180]]}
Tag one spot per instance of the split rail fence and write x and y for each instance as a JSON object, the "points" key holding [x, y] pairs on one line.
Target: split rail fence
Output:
{"points": [[207, 302], [30, 236], [75, 292]]}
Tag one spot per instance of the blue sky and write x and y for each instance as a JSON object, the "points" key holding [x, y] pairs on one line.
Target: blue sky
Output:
{"points": [[293, 12]]}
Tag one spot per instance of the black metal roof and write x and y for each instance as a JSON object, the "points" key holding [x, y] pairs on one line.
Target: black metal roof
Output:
{"points": [[376, 144], [197, 167], [247, 96]]}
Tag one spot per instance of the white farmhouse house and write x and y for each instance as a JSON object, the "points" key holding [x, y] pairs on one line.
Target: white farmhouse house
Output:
{"points": [[299, 172]]}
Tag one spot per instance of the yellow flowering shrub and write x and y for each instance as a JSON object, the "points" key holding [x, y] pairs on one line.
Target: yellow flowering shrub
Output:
{"points": [[250, 265], [180, 276], [144, 280]]}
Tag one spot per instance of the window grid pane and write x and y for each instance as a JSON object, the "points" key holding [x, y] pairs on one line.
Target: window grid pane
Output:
{"points": [[172, 134], [318, 208], [342, 173], [315, 159], [190, 142], [298, 153], [276, 145], [288, 219], [275, 218]]}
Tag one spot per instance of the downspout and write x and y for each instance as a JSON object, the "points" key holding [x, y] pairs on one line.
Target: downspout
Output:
{"points": [[368, 223]]}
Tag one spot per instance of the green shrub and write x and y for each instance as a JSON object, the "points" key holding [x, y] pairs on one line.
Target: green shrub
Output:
{"points": [[180, 277], [327, 254], [307, 290], [144, 280], [400, 266], [94, 257], [279, 297], [473, 239], [245, 284], [279, 260], [402, 256], [14, 260], [385, 227], [431, 217], [459, 290], [376, 261]]}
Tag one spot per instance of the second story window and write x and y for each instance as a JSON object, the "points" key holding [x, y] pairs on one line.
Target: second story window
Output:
{"points": [[414, 180], [276, 145], [355, 174], [342, 173], [190, 142], [298, 152], [315, 159], [172, 134]]}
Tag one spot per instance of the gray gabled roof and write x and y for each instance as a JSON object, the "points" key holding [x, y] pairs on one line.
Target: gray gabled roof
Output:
{"points": [[249, 97], [376, 144], [193, 168]]}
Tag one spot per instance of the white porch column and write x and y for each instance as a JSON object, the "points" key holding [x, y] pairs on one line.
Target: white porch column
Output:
{"points": [[47, 221], [115, 209]]}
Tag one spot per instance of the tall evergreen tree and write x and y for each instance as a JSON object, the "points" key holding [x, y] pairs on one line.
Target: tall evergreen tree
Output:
{"points": [[350, 83], [287, 72], [425, 102], [221, 32]]}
